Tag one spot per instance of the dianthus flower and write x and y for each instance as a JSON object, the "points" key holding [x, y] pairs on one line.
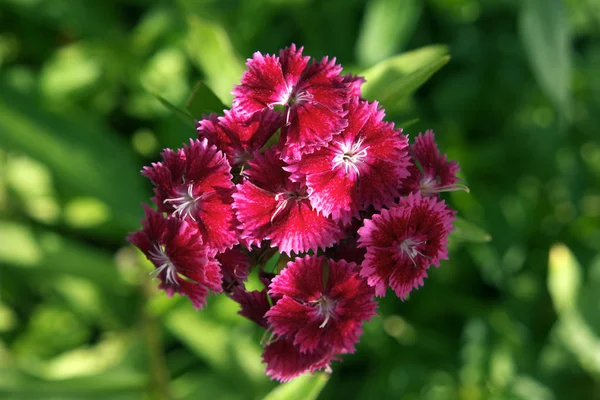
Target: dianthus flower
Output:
{"points": [[194, 183], [271, 207], [430, 171], [183, 263], [363, 166], [403, 242], [324, 303], [302, 164], [313, 97]]}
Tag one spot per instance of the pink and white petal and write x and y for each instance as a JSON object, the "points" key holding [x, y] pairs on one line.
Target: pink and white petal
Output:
{"points": [[293, 64]]}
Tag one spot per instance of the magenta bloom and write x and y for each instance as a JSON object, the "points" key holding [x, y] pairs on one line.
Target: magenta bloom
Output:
{"points": [[271, 207], [355, 83], [315, 313], [183, 263], [361, 167], [313, 97], [285, 361], [438, 174], [194, 183], [237, 135], [235, 267], [403, 242], [254, 304]]}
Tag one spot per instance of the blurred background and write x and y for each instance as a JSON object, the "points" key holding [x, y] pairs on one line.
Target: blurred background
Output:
{"points": [[518, 105]]}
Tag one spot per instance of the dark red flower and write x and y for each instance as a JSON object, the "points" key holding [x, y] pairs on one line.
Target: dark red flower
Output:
{"points": [[324, 303], [239, 135], [183, 263], [361, 167], [313, 97], [271, 207], [403, 242], [355, 83], [430, 171], [194, 183]]}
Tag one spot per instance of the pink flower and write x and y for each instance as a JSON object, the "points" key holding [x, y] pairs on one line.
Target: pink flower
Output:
{"points": [[271, 207], [403, 242], [436, 174], [313, 97], [235, 267], [361, 167], [237, 135], [317, 312], [183, 263], [285, 361], [194, 184]]}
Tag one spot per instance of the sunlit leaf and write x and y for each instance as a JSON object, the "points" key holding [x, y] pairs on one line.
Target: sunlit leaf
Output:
{"points": [[544, 29], [305, 387], [392, 81], [211, 50], [387, 26], [564, 278]]}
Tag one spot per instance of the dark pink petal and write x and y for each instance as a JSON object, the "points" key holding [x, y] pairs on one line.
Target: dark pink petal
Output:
{"points": [[403, 242], [315, 314], [254, 304], [271, 207], [183, 263], [262, 85], [436, 173], [194, 184], [293, 64], [317, 112], [239, 135], [354, 83], [235, 267], [285, 361]]}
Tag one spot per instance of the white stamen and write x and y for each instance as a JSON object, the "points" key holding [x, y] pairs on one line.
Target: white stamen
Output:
{"points": [[160, 258], [186, 204], [350, 155], [409, 247], [283, 198], [429, 186]]}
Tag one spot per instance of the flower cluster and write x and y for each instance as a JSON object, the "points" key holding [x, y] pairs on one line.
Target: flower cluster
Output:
{"points": [[300, 165]]}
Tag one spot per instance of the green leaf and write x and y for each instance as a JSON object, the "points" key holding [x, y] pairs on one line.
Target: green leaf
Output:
{"points": [[544, 29], [564, 278], [305, 387], [467, 232], [114, 382], [211, 50], [203, 101], [85, 158], [387, 26], [392, 81], [182, 114]]}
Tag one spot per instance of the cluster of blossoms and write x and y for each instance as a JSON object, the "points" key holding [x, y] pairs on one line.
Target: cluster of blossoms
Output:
{"points": [[300, 165]]}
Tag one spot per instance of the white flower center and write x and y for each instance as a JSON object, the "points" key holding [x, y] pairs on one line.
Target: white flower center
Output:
{"points": [[186, 204], [160, 258], [325, 307], [350, 155], [409, 247]]}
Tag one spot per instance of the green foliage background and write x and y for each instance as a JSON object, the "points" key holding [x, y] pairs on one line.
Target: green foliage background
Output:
{"points": [[518, 105]]}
